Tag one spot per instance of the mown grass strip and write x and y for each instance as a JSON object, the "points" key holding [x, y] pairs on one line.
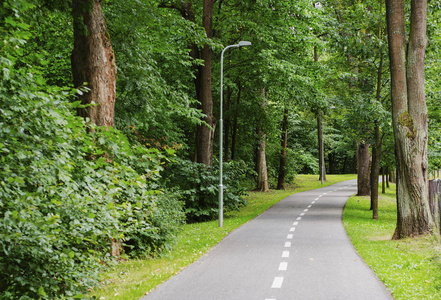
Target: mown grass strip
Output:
{"points": [[132, 279], [410, 268]]}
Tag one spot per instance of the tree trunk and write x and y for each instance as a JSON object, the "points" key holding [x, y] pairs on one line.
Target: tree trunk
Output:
{"points": [[227, 125], [375, 171], [322, 168], [383, 181], [363, 166], [205, 132], [409, 116], [284, 140], [93, 62], [262, 171], [235, 122], [376, 149]]}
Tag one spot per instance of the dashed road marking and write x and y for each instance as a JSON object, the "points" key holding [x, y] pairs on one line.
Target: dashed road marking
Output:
{"points": [[289, 236], [283, 266], [287, 244], [285, 254], [299, 218], [295, 223], [302, 214], [292, 229], [277, 283]]}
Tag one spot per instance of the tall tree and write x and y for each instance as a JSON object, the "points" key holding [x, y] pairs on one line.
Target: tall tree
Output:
{"points": [[93, 62], [205, 132], [409, 115], [283, 144]]}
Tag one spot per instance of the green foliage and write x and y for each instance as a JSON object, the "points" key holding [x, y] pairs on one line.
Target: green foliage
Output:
{"points": [[65, 193], [155, 71], [199, 187], [67, 188]]}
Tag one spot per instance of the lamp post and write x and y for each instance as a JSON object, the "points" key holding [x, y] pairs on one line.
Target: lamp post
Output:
{"points": [[221, 123]]}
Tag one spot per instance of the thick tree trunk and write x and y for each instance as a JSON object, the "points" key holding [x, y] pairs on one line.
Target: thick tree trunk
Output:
{"points": [[363, 169], [282, 163], [409, 116], [205, 132], [93, 62]]}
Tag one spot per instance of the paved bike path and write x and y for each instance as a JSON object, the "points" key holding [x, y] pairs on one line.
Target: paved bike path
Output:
{"points": [[297, 249]]}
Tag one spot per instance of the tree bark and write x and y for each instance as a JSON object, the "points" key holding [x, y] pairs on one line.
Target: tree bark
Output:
{"points": [[227, 124], [262, 171], [375, 171], [363, 166], [383, 181], [205, 132], [378, 141], [282, 163], [409, 116], [93, 62], [322, 168], [235, 123]]}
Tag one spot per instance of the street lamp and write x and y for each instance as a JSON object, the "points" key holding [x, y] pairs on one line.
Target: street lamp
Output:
{"points": [[221, 187]]}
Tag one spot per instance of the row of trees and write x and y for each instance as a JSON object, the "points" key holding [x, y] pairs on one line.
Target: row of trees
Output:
{"points": [[108, 119]]}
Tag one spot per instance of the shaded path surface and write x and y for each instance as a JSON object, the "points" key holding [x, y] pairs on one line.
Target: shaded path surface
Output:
{"points": [[297, 249]]}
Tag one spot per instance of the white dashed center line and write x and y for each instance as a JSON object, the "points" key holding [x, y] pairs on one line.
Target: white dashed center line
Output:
{"points": [[289, 236], [292, 229], [283, 266], [285, 254], [277, 283], [287, 244]]}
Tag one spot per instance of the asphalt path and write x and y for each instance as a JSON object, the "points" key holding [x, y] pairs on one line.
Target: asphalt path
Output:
{"points": [[297, 249]]}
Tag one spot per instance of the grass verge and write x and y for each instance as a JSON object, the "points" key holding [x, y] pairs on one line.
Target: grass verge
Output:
{"points": [[410, 268], [132, 279]]}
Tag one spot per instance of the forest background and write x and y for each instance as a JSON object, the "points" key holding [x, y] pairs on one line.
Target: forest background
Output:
{"points": [[312, 93]]}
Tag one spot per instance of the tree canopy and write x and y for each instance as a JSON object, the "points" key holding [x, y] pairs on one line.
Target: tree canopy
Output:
{"points": [[72, 187]]}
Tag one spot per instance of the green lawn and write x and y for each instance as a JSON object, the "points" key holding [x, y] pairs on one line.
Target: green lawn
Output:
{"points": [[410, 268], [132, 279]]}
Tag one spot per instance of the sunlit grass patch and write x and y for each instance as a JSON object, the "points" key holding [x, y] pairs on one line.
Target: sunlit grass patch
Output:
{"points": [[410, 268]]}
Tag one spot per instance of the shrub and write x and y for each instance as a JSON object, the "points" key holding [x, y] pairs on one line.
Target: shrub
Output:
{"points": [[199, 186]]}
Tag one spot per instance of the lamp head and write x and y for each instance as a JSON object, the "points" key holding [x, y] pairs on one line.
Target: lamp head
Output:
{"points": [[244, 43]]}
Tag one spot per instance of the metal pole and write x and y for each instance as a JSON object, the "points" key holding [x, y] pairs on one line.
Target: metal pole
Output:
{"points": [[221, 124], [221, 140]]}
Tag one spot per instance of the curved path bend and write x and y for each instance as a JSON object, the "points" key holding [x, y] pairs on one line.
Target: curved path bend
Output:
{"points": [[297, 249]]}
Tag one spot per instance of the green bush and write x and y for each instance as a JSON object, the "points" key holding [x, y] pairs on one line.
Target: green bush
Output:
{"points": [[56, 220], [66, 192], [199, 187]]}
